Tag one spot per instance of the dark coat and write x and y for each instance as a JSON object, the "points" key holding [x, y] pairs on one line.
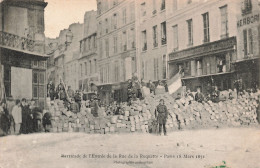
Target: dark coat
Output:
{"points": [[161, 113], [151, 87], [25, 123], [199, 97]]}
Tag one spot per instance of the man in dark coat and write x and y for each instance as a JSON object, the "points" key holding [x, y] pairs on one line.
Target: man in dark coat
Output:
{"points": [[161, 113], [5, 121], [199, 97], [74, 107], [151, 87], [51, 90], [25, 116], [94, 106], [215, 95]]}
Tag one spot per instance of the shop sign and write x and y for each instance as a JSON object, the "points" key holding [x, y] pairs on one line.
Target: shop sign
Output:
{"points": [[204, 49], [247, 20]]}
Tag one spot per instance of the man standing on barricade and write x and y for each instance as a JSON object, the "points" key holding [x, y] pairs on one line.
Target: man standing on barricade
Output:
{"points": [[161, 113]]}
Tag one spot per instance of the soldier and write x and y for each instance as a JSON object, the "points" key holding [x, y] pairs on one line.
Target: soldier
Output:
{"points": [[161, 113]]}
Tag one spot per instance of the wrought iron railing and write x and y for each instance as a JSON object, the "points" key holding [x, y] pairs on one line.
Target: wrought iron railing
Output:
{"points": [[17, 42]]}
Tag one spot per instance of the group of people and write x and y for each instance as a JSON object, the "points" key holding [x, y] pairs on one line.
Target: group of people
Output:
{"points": [[20, 117], [135, 91]]}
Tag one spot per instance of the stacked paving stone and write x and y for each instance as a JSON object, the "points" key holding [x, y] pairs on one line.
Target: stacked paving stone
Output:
{"points": [[183, 114]]}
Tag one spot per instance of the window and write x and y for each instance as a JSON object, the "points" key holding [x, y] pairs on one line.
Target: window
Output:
{"points": [[190, 32], [99, 8], [114, 26], [81, 70], [100, 28], [86, 68], [224, 21], [124, 16], [163, 33], [143, 10], [175, 38], [132, 6], [156, 68], [107, 47], [115, 2], [115, 44], [163, 5], [206, 27], [95, 41], [38, 84], [116, 71], [221, 63], [246, 7], [154, 7], [132, 37], [106, 22], [155, 40], [248, 42], [101, 75], [90, 67], [133, 65], [189, 1], [101, 48], [95, 64], [164, 66], [199, 67], [143, 69], [124, 40], [251, 41], [175, 5], [144, 39]]}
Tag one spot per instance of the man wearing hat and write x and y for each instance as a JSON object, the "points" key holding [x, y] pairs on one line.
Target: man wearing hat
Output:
{"points": [[161, 113]]}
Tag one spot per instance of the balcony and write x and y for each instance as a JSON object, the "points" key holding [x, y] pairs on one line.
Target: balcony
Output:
{"points": [[20, 43]]}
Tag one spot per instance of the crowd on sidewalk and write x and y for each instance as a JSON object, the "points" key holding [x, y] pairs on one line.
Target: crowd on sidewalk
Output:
{"points": [[19, 117]]}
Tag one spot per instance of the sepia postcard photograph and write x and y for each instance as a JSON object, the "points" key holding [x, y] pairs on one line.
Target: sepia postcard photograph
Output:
{"points": [[129, 83]]}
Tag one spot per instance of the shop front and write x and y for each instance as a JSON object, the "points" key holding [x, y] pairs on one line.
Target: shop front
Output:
{"points": [[24, 75], [204, 65]]}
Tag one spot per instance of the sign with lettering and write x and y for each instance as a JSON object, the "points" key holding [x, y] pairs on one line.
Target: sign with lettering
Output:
{"points": [[204, 49], [247, 20]]}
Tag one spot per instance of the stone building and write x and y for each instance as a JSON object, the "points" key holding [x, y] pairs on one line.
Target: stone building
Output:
{"points": [[66, 55], [151, 39], [248, 43], [22, 51], [202, 41], [88, 69], [116, 47]]}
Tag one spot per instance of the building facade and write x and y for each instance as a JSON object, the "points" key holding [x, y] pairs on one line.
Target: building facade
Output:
{"points": [[202, 42], [88, 68], [66, 56], [116, 47], [22, 49], [151, 39], [248, 43]]}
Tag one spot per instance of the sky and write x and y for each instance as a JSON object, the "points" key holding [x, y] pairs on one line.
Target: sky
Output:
{"points": [[59, 14]]}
